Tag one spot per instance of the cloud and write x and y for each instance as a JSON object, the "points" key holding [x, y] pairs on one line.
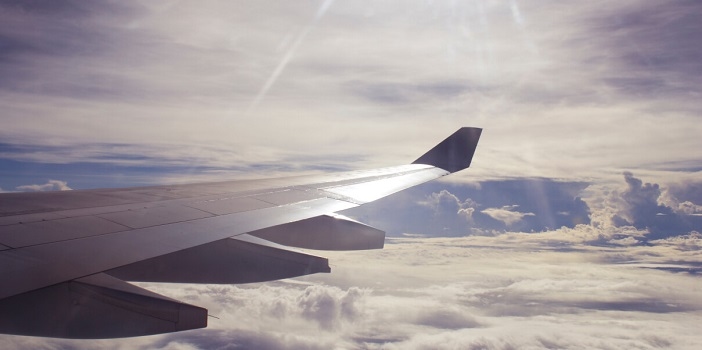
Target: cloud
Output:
{"points": [[515, 290], [457, 209], [688, 208], [447, 319], [600, 215], [683, 197], [327, 307], [506, 214], [446, 202], [50, 185], [648, 206], [567, 95], [237, 339], [689, 242], [502, 291], [624, 241], [640, 202], [77, 68]]}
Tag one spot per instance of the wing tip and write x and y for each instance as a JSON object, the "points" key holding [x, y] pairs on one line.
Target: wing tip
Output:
{"points": [[455, 153]]}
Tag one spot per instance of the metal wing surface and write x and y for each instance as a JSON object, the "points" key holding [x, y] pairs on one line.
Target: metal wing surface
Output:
{"points": [[65, 256]]}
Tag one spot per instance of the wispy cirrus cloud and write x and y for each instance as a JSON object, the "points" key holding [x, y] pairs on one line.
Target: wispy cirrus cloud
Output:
{"points": [[605, 88]]}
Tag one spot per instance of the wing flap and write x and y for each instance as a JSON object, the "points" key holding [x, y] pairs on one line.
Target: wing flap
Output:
{"points": [[326, 232], [94, 307], [240, 259]]}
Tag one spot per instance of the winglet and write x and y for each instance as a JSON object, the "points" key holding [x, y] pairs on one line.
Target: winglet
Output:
{"points": [[455, 152]]}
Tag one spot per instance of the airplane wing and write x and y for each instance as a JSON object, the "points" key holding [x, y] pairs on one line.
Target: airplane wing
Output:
{"points": [[65, 256]]}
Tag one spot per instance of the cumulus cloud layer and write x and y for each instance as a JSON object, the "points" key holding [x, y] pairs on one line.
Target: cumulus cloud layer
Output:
{"points": [[516, 290]]}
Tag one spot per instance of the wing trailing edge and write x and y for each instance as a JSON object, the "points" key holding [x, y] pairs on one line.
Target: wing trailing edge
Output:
{"points": [[240, 259], [96, 307]]}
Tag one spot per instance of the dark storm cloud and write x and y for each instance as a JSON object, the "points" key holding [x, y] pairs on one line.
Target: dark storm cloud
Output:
{"points": [[641, 202], [640, 205]]}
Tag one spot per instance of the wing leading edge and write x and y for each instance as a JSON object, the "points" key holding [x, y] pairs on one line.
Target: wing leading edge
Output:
{"points": [[68, 254]]}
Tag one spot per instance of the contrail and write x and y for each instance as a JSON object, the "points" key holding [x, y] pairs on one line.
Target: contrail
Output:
{"points": [[288, 55]]}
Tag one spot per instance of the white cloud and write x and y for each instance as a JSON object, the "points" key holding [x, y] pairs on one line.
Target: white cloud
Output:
{"points": [[689, 208], [664, 210], [50, 185], [517, 290], [689, 242], [670, 198], [446, 202], [624, 241], [506, 214]]}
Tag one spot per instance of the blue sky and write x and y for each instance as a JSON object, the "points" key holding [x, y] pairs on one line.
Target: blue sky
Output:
{"points": [[589, 166]]}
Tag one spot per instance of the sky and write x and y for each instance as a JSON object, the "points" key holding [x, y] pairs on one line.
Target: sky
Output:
{"points": [[576, 227]]}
